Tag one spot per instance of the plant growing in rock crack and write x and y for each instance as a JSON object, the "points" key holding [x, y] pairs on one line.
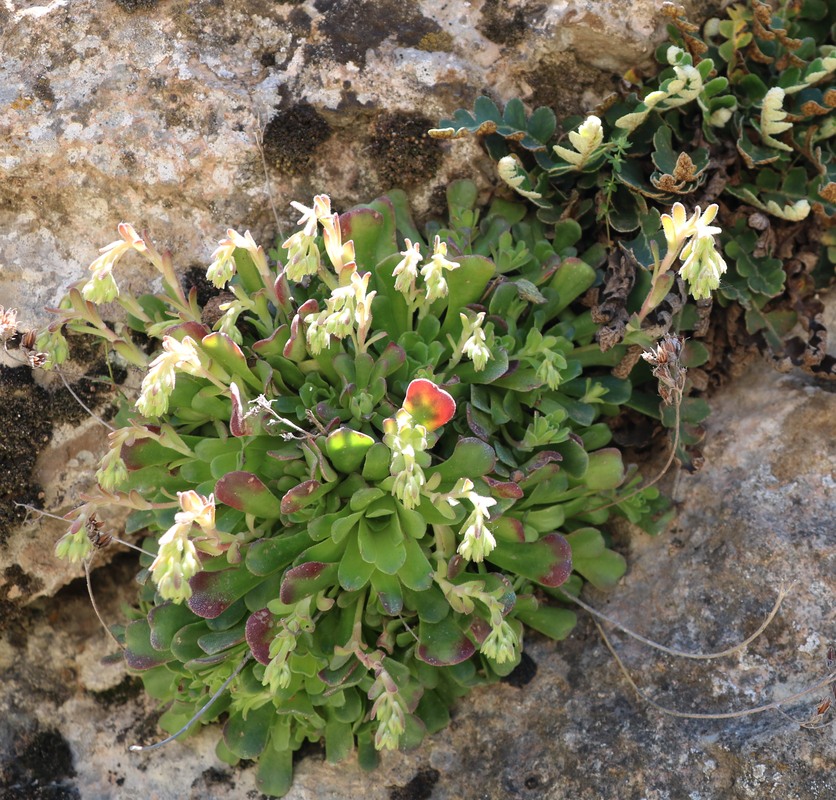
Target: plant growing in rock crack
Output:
{"points": [[361, 472], [741, 115]]}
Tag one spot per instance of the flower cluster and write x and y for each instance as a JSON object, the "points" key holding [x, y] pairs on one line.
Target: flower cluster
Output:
{"points": [[693, 239], [102, 288], [222, 268], [347, 313], [477, 541], [158, 383], [277, 673], [408, 442], [474, 341], [177, 558]]}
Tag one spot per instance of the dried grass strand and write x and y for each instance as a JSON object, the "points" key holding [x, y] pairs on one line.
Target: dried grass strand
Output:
{"points": [[773, 706], [782, 593]]}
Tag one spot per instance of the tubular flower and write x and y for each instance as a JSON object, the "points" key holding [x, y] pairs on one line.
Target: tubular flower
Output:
{"points": [[222, 268], [678, 227], [277, 674], [406, 271], [196, 509], [703, 265], [388, 710], [501, 643], [477, 541], [177, 559], [475, 346], [341, 254], [175, 563], [102, 288], [433, 271], [311, 216], [158, 384], [347, 307], [407, 441], [75, 544], [302, 256]]}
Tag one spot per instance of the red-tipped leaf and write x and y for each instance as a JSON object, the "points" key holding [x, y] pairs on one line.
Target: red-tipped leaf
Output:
{"points": [[429, 405]]}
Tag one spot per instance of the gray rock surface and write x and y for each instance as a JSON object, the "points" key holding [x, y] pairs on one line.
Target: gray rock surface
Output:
{"points": [[758, 516], [147, 111]]}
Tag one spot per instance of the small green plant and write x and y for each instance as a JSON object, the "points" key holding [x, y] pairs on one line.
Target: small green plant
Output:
{"points": [[378, 453], [742, 115], [360, 478]]}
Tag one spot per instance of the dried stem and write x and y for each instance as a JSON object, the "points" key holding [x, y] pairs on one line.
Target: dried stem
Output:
{"points": [[782, 593], [96, 608], [137, 748], [774, 706]]}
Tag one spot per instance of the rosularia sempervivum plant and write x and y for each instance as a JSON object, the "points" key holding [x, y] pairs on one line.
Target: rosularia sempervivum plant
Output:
{"points": [[359, 474]]}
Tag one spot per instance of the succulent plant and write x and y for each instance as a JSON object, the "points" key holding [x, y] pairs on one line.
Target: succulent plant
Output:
{"points": [[741, 114], [359, 477]]}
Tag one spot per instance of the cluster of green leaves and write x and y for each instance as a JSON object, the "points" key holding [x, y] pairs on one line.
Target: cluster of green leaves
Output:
{"points": [[320, 563], [742, 113]]}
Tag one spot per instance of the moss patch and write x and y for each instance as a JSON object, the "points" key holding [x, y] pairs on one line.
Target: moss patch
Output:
{"points": [[28, 413], [38, 768], [402, 151], [560, 83], [352, 27], [136, 5], [441, 42], [292, 137], [26, 430], [502, 25]]}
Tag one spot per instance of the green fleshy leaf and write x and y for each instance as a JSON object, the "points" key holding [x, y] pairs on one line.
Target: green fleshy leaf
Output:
{"points": [[139, 653], [214, 592], [354, 571], [266, 556], [443, 643], [388, 591], [416, 572], [382, 545], [246, 492], [431, 604], [372, 230], [556, 623], [221, 349], [602, 567], [339, 741], [376, 464], [184, 645], [307, 579], [165, 621], [274, 775], [219, 641], [247, 738], [389, 308], [605, 470], [472, 458], [465, 285], [547, 561], [575, 459]]}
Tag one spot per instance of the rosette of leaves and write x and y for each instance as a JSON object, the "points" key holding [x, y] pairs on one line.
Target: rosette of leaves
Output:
{"points": [[359, 488], [741, 112]]}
